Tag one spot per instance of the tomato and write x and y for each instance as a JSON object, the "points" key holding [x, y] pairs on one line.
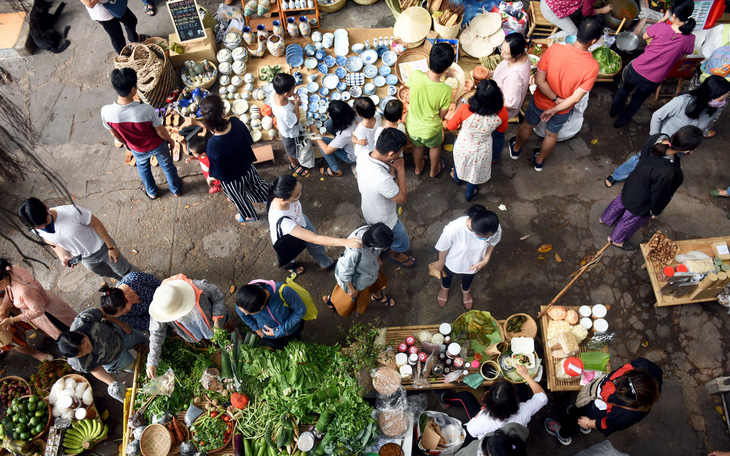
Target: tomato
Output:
{"points": [[226, 418], [213, 414]]}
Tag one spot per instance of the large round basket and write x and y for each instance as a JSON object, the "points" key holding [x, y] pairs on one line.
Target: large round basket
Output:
{"points": [[17, 379], [227, 441], [447, 33], [161, 42], [411, 55], [332, 7], [363, 2], [79, 378], [610, 75], [529, 328], [48, 421], [155, 441], [206, 85], [499, 327]]}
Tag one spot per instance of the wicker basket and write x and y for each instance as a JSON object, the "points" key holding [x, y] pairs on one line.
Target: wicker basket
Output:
{"points": [[48, 422], [408, 56], [332, 7], [161, 42], [155, 441], [447, 33], [208, 84], [230, 436], [79, 378], [529, 328], [365, 2], [499, 327], [17, 379], [45, 366]]}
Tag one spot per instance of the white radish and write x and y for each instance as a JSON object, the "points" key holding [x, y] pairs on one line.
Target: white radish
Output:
{"points": [[79, 391], [88, 397], [70, 384]]}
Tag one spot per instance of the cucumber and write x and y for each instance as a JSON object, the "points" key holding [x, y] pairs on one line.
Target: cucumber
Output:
{"points": [[247, 447], [261, 447]]}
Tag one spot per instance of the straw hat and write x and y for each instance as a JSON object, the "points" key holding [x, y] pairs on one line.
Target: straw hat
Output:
{"points": [[6, 337], [496, 38], [413, 24], [486, 24], [172, 300], [475, 45]]}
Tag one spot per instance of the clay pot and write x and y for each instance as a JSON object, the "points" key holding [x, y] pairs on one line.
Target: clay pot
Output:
{"points": [[275, 45]]}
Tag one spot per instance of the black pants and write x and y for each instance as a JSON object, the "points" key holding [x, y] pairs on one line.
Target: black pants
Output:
{"points": [[281, 342], [469, 403], [631, 80], [449, 276], [113, 28], [569, 425]]}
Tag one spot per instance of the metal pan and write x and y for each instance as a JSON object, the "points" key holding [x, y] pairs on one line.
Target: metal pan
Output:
{"points": [[627, 41]]}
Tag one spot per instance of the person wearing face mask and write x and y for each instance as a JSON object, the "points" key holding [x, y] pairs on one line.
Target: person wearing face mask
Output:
{"points": [[291, 230], [23, 292], [698, 107], [650, 187], [75, 230], [465, 247]]}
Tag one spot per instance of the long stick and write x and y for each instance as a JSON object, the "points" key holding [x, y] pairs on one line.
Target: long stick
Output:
{"points": [[580, 272]]}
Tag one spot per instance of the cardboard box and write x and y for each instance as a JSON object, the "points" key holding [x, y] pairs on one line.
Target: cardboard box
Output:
{"points": [[200, 50], [720, 250]]}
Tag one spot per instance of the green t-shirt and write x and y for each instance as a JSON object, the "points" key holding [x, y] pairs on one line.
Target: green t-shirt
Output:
{"points": [[427, 99]]}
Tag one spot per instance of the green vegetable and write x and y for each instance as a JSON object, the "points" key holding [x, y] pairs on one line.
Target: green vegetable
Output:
{"points": [[247, 449], [608, 61], [226, 371], [210, 430]]}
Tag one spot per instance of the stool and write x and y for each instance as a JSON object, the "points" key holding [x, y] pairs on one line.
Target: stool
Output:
{"points": [[658, 95], [539, 26]]}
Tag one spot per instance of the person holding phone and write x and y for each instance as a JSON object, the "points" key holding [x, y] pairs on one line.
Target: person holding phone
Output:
{"points": [[76, 230]]}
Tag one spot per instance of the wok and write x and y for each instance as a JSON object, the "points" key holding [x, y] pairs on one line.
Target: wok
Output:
{"points": [[628, 9]]}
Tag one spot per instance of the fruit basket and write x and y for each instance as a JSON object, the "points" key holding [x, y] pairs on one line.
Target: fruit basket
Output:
{"points": [[27, 418]]}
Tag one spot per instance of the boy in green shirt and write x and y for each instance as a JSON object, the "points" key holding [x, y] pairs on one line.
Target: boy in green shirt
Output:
{"points": [[430, 101]]}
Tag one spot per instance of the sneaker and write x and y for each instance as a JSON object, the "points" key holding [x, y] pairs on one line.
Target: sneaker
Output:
{"points": [[584, 431], [513, 154], [535, 153], [553, 428], [621, 123]]}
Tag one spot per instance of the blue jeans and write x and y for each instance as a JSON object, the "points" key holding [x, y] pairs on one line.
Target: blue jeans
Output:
{"points": [[331, 159], [470, 188], [168, 167], [497, 145], [126, 361], [148, 2], [316, 250], [401, 241], [624, 169]]}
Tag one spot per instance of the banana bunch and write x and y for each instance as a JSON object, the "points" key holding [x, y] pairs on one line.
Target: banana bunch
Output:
{"points": [[83, 435]]}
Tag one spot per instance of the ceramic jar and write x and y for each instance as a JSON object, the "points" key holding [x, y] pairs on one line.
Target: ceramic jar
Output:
{"points": [[249, 78], [236, 81], [248, 36], [250, 7], [292, 27], [224, 55], [240, 54], [272, 133], [310, 4], [284, 6], [225, 68], [257, 50], [267, 122], [262, 33], [263, 7], [239, 67], [304, 28], [275, 45], [224, 80], [232, 41], [277, 28], [248, 87]]}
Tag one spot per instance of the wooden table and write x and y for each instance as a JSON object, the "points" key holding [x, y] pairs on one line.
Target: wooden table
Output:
{"points": [[395, 335], [552, 381], [698, 295]]}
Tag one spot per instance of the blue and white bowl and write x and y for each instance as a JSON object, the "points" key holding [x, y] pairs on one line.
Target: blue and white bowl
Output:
{"points": [[391, 79], [389, 58], [384, 70], [340, 72]]}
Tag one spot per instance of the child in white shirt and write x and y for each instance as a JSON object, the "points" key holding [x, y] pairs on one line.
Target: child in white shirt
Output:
{"points": [[392, 118], [364, 135], [287, 118]]}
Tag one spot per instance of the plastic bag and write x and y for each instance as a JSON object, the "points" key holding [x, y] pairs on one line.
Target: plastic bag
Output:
{"points": [[422, 372], [449, 428], [393, 418], [305, 151], [211, 381], [226, 13], [693, 255], [601, 449], [163, 385], [600, 340]]}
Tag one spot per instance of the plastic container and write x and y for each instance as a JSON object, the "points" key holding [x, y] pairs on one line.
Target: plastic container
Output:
{"points": [[458, 363], [585, 311], [599, 311], [586, 323], [453, 350], [445, 329], [413, 359], [600, 325], [401, 359], [406, 372]]}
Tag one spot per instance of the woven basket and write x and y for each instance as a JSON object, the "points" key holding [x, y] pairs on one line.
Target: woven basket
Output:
{"points": [[208, 84], [447, 33], [228, 440], [155, 441], [365, 2], [332, 7], [156, 77], [17, 379], [408, 56], [529, 328], [161, 42], [48, 423], [499, 327], [79, 378]]}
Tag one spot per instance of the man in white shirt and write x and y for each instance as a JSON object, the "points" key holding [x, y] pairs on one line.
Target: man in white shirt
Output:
{"points": [[76, 230], [380, 193]]}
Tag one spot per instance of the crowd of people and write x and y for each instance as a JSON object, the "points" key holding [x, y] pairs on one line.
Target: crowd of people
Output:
{"points": [[142, 310]]}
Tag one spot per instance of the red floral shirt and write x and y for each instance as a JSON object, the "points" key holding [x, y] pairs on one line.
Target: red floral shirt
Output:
{"points": [[564, 8]]}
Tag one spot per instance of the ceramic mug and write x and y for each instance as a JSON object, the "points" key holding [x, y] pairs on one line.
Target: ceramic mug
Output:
{"points": [[292, 27], [304, 28], [277, 28]]}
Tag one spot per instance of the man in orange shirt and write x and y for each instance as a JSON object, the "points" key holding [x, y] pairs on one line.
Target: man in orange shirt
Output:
{"points": [[565, 74]]}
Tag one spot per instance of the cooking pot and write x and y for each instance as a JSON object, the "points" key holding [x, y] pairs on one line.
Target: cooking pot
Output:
{"points": [[627, 41], [628, 9]]}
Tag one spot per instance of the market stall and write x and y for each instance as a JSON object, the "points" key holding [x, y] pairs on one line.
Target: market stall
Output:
{"points": [[686, 272]]}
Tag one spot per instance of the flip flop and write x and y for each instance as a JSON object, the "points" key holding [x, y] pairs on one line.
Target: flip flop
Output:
{"points": [[443, 167], [328, 303], [410, 258], [147, 194], [149, 10], [716, 192], [609, 181], [294, 268], [176, 151], [384, 298]]}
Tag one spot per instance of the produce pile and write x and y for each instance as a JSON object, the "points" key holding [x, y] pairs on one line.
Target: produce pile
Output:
{"points": [[478, 326], [11, 389], [563, 338], [25, 420], [608, 61], [84, 435], [48, 373], [212, 431]]}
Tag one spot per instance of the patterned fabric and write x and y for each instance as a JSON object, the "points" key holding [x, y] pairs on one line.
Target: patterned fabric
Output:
{"points": [[626, 223], [144, 285], [107, 340], [473, 148]]}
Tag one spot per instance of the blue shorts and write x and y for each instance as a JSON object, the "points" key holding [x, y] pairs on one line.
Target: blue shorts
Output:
{"points": [[556, 122]]}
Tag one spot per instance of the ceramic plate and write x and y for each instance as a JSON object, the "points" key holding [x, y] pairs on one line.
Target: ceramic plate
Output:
{"points": [[340, 59], [312, 87], [314, 98], [239, 107], [353, 64], [310, 63], [370, 71], [355, 91], [389, 58], [385, 101], [330, 61], [322, 68], [391, 79], [341, 86], [302, 92], [375, 98], [340, 72], [313, 107], [295, 60], [330, 81], [343, 49], [369, 56], [355, 79], [335, 96], [340, 32], [324, 91], [384, 70], [379, 81]]}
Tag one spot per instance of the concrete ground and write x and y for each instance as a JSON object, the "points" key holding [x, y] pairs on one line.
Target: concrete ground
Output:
{"points": [[196, 234]]}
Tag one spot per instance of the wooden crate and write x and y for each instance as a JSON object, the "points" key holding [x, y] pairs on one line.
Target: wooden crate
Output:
{"points": [[553, 383], [703, 245], [395, 335]]}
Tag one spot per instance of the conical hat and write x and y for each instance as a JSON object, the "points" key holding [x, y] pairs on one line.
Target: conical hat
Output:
{"points": [[486, 24], [497, 38], [475, 45], [412, 25]]}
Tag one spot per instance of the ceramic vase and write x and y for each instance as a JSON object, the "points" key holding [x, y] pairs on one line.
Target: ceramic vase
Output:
{"points": [[257, 50], [263, 7], [262, 33], [250, 8], [277, 28], [292, 28], [292, 5], [304, 28], [284, 6], [310, 4], [248, 36], [276, 45]]}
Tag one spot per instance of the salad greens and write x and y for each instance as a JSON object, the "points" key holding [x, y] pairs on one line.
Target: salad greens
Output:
{"points": [[608, 61]]}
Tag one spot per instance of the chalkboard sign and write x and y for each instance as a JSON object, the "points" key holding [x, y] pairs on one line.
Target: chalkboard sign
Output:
{"points": [[187, 21]]}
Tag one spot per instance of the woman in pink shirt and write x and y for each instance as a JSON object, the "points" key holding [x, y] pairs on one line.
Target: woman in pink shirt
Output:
{"points": [[567, 14], [669, 43]]}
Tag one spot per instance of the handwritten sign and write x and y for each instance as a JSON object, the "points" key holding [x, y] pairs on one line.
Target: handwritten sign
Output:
{"points": [[186, 19]]}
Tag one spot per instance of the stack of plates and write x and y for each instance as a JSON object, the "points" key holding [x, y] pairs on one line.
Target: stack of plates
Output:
{"points": [[294, 55], [342, 42]]}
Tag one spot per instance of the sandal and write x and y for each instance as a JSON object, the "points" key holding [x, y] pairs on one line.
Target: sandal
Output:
{"points": [[468, 303], [443, 299], [710, 133], [328, 172], [176, 151], [300, 171], [129, 159], [149, 10], [385, 299], [716, 192], [294, 268], [609, 181], [147, 194], [410, 259], [328, 303], [443, 167]]}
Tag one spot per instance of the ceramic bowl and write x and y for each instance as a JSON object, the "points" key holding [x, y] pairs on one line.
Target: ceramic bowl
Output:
{"points": [[346, 96], [267, 122], [310, 63], [224, 55], [369, 88], [236, 81], [256, 135], [316, 37], [272, 133], [223, 89], [244, 118], [357, 48], [224, 80], [356, 91], [225, 68], [310, 49], [249, 78]]}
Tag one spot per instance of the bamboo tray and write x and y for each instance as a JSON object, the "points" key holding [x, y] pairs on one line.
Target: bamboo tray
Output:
{"points": [[394, 335], [553, 383]]}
